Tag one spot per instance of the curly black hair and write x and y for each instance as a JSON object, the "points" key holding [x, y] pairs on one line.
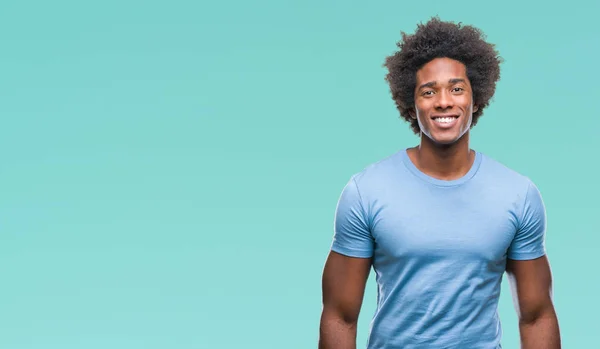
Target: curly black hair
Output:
{"points": [[438, 39]]}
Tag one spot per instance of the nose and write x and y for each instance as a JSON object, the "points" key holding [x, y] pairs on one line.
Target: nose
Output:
{"points": [[444, 100]]}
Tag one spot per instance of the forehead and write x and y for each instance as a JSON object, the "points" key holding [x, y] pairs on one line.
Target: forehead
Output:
{"points": [[441, 69]]}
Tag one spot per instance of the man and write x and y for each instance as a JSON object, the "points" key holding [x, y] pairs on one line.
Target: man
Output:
{"points": [[439, 223]]}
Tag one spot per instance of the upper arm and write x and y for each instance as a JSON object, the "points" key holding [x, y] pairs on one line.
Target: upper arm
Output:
{"points": [[349, 261], [529, 240], [352, 235], [344, 280], [531, 285], [527, 266]]}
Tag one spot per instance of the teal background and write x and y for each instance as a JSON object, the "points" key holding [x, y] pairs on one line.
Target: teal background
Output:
{"points": [[170, 170]]}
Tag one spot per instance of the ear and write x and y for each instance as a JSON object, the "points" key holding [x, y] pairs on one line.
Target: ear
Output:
{"points": [[475, 108], [412, 113]]}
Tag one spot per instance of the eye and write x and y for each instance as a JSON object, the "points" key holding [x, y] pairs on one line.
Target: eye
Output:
{"points": [[427, 93], [458, 89]]}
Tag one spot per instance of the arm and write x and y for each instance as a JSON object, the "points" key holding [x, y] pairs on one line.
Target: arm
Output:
{"points": [[531, 285], [346, 271], [344, 280]]}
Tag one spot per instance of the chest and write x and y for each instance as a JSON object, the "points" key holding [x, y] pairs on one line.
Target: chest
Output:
{"points": [[452, 224]]}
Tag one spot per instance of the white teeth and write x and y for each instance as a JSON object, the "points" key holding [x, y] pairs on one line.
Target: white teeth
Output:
{"points": [[444, 120]]}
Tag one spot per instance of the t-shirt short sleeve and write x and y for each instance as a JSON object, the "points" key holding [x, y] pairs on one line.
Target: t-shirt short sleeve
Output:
{"points": [[529, 241], [352, 236]]}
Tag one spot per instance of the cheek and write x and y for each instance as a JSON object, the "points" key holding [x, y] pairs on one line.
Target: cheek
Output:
{"points": [[467, 102], [422, 109]]}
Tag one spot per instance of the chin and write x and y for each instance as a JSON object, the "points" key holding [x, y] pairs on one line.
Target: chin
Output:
{"points": [[443, 139]]}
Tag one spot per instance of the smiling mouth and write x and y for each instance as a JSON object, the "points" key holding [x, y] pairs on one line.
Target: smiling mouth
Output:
{"points": [[445, 119]]}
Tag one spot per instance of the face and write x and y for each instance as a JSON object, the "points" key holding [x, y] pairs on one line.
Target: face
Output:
{"points": [[443, 101]]}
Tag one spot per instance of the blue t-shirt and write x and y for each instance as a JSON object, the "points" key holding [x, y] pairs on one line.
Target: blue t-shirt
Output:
{"points": [[439, 248]]}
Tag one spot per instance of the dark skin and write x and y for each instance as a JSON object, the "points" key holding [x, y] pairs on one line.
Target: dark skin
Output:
{"points": [[531, 284], [344, 280], [443, 90]]}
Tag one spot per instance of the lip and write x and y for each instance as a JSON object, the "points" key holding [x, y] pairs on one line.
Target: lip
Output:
{"points": [[445, 125]]}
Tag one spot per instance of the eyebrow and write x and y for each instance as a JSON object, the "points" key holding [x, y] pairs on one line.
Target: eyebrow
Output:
{"points": [[433, 83]]}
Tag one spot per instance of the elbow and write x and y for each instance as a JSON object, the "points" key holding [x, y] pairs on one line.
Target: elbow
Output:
{"points": [[341, 317], [532, 316], [349, 319]]}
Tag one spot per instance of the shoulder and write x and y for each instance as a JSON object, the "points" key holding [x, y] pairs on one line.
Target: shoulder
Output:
{"points": [[378, 169], [512, 185], [499, 174], [376, 172]]}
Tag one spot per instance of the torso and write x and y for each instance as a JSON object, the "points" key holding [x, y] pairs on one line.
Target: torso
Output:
{"points": [[440, 251]]}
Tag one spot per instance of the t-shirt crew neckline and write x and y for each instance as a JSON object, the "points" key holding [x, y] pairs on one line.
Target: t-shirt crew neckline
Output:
{"points": [[441, 182]]}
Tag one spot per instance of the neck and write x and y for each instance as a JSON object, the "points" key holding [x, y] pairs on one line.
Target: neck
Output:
{"points": [[446, 162]]}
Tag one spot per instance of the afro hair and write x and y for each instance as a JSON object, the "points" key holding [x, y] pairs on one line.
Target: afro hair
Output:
{"points": [[439, 39]]}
